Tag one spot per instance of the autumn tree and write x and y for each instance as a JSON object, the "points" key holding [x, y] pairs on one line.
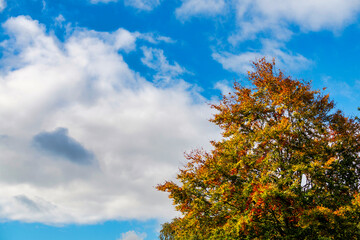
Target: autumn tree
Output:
{"points": [[286, 168]]}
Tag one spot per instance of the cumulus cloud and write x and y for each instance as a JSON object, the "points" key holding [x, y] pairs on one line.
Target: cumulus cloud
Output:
{"points": [[274, 20], [241, 63], [275, 17], [102, 1], [2, 5], [59, 20], [308, 14], [155, 38], [191, 8], [136, 131], [224, 87], [146, 5], [155, 59], [131, 235], [342, 89]]}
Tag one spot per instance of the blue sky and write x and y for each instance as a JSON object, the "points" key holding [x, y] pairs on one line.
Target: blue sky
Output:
{"points": [[99, 99]]}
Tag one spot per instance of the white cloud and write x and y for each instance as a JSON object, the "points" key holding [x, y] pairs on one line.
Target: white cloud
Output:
{"points": [[136, 131], [241, 63], [309, 14], [155, 59], [2, 5], [276, 16], [131, 235], [191, 8], [120, 39], [59, 20], [273, 20], [155, 38], [339, 88], [145, 5], [224, 87], [102, 1]]}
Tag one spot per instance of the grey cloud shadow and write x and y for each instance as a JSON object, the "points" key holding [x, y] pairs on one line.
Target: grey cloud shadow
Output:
{"points": [[28, 203], [60, 144], [34, 205]]}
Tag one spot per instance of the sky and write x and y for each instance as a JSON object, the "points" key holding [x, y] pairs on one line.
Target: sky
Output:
{"points": [[99, 99]]}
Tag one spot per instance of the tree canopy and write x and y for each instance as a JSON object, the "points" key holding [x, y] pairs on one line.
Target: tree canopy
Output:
{"points": [[287, 167]]}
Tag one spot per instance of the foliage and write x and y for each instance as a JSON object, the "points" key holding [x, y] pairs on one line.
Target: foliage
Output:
{"points": [[286, 168]]}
